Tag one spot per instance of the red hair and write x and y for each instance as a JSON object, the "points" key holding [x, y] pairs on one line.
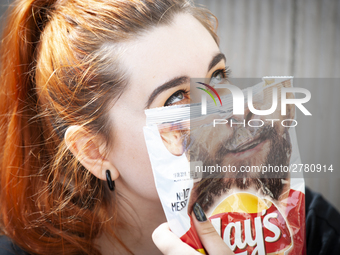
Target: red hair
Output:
{"points": [[59, 67]]}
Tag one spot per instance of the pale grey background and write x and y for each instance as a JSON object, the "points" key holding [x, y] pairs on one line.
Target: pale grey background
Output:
{"points": [[288, 37]]}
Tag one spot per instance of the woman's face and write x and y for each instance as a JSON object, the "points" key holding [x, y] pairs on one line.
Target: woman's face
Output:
{"points": [[159, 65]]}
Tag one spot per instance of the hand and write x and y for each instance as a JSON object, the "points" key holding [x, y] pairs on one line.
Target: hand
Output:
{"points": [[169, 244]]}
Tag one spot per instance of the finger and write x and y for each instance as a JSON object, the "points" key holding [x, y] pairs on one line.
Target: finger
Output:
{"points": [[210, 239], [168, 243]]}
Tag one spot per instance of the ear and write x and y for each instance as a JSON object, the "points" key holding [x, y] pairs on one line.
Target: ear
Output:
{"points": [[290, 108], [89, 150], [173, 141]]}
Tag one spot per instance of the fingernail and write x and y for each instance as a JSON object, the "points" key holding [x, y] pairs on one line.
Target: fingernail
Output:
{"points": [[199, 214]]}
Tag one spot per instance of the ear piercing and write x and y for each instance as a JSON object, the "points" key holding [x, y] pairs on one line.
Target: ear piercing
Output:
{"points": [[110, 183]]}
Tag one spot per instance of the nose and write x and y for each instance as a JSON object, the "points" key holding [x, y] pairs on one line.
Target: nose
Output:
{"points": [[248, 115]]}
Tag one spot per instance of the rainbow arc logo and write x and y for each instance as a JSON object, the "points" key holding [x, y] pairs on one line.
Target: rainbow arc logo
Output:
{"points": [[209, 93]]}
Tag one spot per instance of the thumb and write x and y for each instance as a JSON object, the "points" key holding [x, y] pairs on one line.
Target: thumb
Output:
{"points": [[210, 239]]}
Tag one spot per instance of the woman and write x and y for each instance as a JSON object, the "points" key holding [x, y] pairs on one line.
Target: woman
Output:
{"points": [[76, 78]]}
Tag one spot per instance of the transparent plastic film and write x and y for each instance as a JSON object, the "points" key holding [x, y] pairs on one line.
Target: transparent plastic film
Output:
{"points": [[230, 151]]}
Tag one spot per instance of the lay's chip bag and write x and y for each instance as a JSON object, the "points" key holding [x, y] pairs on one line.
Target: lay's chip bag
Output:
{"points": [[231, 150]]}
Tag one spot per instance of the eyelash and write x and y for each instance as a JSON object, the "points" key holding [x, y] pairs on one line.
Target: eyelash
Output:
{"points": [[225, 73], [170, 99]]}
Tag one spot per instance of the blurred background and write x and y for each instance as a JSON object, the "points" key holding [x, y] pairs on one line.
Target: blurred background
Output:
{"points": [[288, 37]]}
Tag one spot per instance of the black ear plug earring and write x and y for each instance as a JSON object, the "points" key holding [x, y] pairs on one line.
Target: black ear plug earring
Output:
{"points": [[110, 183]]}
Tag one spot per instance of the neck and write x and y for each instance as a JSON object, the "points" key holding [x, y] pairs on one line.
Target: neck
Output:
{"points": [[138, 217]]}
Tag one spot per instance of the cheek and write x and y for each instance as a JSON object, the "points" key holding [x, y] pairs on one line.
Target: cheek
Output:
{"points": [[129, 155]]}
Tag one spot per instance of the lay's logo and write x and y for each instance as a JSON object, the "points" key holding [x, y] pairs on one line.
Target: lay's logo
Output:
{"points": [[250, 225]]}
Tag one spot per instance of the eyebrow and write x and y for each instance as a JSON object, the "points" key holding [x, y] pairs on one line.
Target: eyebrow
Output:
{"points": [[216, 59], [168, 85], [177, 81]]}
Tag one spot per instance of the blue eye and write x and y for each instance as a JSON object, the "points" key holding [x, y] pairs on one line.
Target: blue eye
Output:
{"points": [[176, 97], [219, 75]]}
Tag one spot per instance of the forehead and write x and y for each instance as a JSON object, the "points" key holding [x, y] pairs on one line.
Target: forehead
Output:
{"points": [[185, 47]]}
